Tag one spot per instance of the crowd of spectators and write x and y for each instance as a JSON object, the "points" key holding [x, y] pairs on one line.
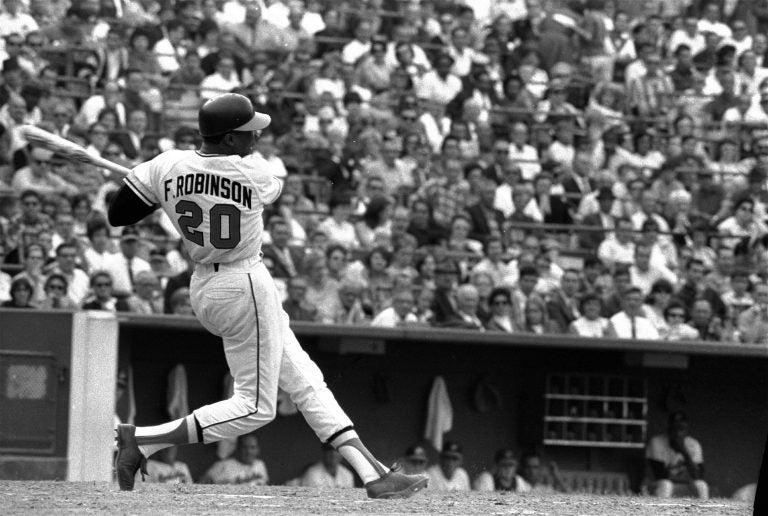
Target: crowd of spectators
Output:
{"points": [[593, 167]]}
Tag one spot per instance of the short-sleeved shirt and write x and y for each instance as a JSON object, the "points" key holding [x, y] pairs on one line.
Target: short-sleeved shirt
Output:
{"points": [[163, 473], [214, 201], [232, 471], [659, 449], [438, 482], [317, 476]]}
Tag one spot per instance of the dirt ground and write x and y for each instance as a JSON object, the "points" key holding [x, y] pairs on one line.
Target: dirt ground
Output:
{"points": [[104, 498]]}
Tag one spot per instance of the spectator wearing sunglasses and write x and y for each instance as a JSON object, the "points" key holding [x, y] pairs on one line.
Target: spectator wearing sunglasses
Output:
{"points": [[101, 285], [56, 294], [502, 318], [677, 329], [38, 177]]}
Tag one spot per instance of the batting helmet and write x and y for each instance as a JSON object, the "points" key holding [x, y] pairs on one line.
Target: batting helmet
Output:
{"points": [[230, 112]]}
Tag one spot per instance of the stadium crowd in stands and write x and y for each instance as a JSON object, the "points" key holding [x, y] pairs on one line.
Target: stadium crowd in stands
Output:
{"points": [[592, 167]]}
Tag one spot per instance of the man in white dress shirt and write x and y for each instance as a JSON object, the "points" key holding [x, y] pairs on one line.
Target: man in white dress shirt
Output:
{"points": [[630, 322], [440, 85], [399, 314], [644, 273], [78, 283], [618, 248], [125, 265], [360, 45]]}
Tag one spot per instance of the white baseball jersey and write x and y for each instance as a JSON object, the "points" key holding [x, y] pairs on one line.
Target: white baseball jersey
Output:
{"points": [[214, 201], [232, 471], [176, 473]]}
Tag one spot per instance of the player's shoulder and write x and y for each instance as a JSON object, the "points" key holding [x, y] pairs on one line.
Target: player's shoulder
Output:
{"points": [[171, 156]]}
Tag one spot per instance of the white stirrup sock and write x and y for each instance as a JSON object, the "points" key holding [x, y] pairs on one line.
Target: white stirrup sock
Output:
{"points": [[152, 439]]}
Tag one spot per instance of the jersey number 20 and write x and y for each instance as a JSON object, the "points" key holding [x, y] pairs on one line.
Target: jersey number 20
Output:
{"points": [[192, 216]]}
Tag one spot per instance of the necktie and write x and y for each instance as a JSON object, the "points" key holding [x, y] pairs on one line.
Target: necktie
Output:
{"points": [[634, 330], [289, 263], [130, 271], [56, 302]]}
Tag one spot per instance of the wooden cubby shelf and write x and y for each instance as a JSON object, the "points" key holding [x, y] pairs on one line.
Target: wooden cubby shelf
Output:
{"points": [[593, 410]]}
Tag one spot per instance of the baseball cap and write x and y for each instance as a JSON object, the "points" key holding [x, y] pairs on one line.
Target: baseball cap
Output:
{"points": [[505, 457], [129, 234], [452, 449], [416, 454]]}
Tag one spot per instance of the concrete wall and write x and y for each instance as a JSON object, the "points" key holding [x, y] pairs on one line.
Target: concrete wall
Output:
{"points": [[385, 395]]}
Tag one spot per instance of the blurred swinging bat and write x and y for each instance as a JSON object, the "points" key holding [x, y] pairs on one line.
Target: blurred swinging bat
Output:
{"points": [[68, 149]]}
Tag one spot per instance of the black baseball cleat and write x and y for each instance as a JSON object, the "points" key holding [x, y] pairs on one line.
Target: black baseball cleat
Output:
{"points": [[396, 484], [129, 458]]}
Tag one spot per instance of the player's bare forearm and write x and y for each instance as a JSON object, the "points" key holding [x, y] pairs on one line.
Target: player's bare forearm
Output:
{"points": [[127, 208]]}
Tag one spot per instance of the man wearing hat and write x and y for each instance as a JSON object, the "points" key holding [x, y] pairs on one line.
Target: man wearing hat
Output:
{"points": [[504, 475], [448, 475], [416, 460]]}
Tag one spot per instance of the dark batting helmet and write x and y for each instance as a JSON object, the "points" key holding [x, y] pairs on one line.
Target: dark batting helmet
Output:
{"points": [[230, 112]]}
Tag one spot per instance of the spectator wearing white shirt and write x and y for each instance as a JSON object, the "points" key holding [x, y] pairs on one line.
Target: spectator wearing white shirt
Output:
{"points": [[710, 21], [440, 85], [405, 34], [5, 278], [399, 314], [590, 323], [619, 247], [111, 97], [521, 153], [644, 273], [126, 265], [98, 253], [170, 50], [265, 146], [630, 323], [687, 35], [463, 54], [14, 21], [360, 45], [78, 283], [224, 80], [39, 178]]}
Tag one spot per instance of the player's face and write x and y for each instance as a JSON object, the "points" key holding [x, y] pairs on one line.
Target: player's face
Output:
{"points": [[242, 142]]}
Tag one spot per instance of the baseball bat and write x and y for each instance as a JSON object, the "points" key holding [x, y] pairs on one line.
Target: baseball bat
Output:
{"points": [[68, 149]]}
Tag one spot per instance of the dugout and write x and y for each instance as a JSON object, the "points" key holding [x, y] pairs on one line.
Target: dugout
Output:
{"points": [[497, 384]]}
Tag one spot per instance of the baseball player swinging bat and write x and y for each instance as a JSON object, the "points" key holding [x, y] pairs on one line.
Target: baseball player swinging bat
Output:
{"points": [[68, 149], [215, 197]]}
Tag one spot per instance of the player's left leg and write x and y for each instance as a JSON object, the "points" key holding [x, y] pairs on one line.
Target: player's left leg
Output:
{"points": [[230, 306], [303, 381]]}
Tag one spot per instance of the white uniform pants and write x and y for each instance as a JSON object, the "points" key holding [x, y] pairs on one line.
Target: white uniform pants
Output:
{"points": [[240, 303]]}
